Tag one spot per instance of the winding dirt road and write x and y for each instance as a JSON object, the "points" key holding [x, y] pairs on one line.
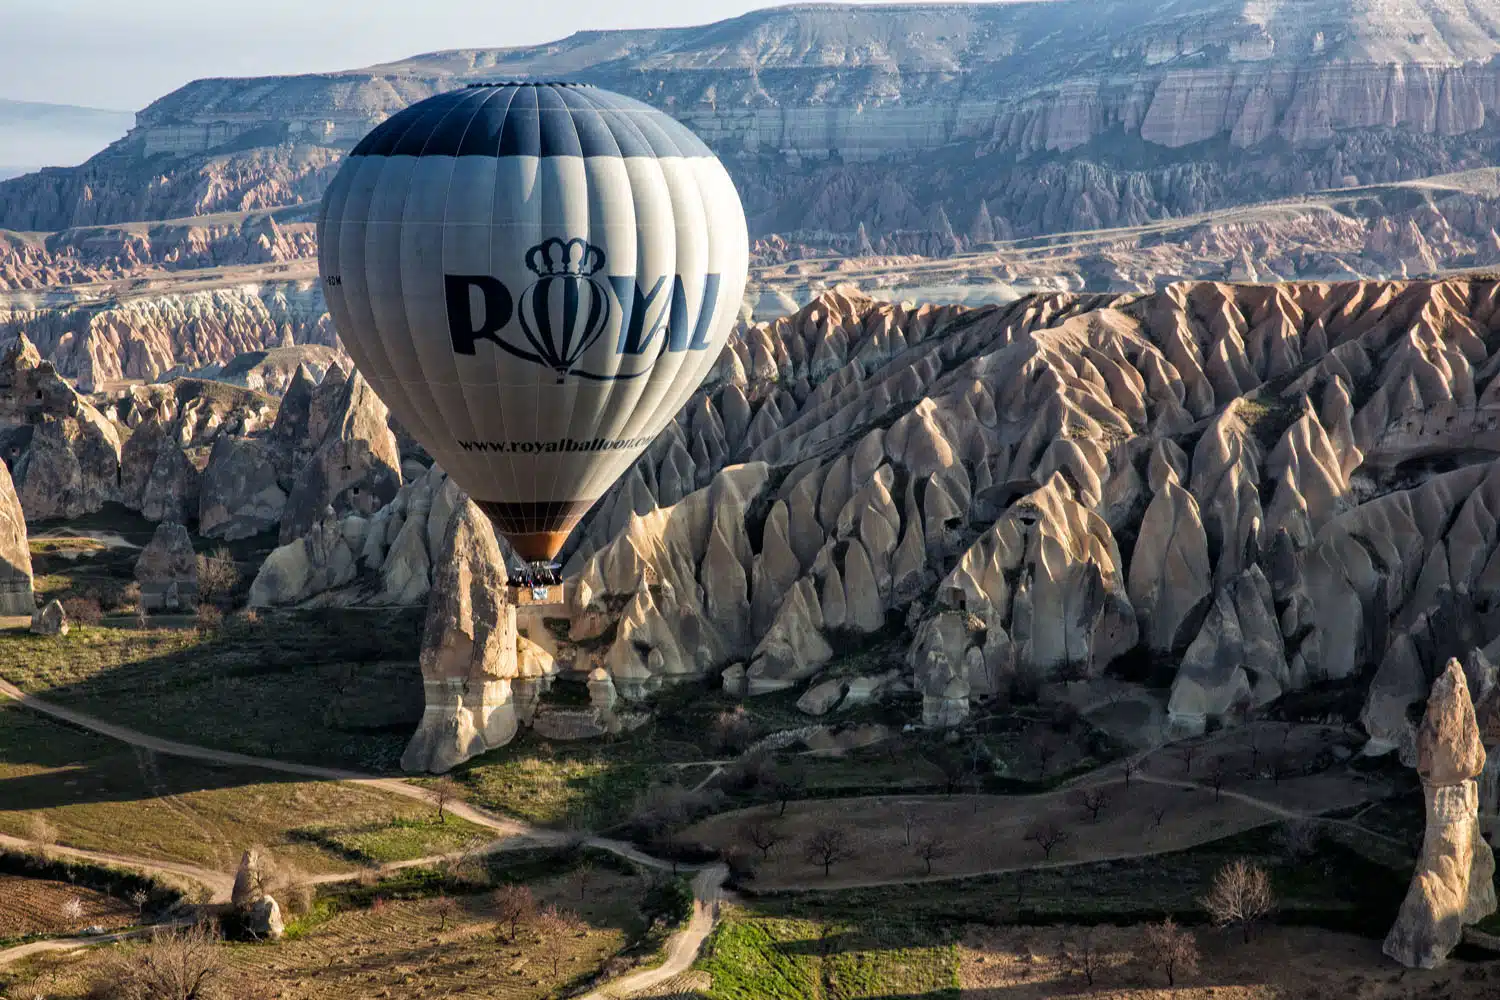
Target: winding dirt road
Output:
{"points": [[681, 950]]}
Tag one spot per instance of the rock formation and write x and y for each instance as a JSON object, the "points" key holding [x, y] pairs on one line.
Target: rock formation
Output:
{"points": [[239, 493], [16, 596], [356, 467], [1454, 881], [259, 911], [895, 118], [63, 455], [144, 336], [388, 558], [50, 619], [167, 570], [470, 664]]}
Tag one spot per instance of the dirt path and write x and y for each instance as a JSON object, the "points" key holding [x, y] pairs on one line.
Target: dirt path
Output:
{"points": [[395, 786], [683, 949], [218, 882], [20, 951]]}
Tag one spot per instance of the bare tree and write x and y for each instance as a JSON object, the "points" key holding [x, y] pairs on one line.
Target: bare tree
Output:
{"points": [[176, 964], [953, 767], [1047, 835], [555, 927], [827, 847], [908, 821], [1252, 743], [72, 909], [1131, 768], [788, 784], [763, 835], [1081, 955], [444, 793], [1158, 813], [931, 849], [1093, 800], [582, 874], [1218, 776], [1186, 752], [446, 907], [514, 905], [1044, 746], [1170, 948], [1241, 896], [139, 898], [467, 865]]}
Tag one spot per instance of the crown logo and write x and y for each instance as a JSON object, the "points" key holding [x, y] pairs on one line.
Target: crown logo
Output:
{"points": [[554, 257]]}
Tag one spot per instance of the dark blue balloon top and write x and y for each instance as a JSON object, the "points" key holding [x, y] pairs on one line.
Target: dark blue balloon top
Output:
{"points": [[531, 119]]}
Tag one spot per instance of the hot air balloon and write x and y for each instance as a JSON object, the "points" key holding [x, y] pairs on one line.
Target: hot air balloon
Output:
{"points": [[534, 277]]}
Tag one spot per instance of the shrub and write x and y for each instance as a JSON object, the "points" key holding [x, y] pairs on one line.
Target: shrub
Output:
{"points": [[733, 731], [208, 618], [1298, 839], [177, 964], [750, 772], [112, 595], [218, 575], [669, 900], [83, 610]]}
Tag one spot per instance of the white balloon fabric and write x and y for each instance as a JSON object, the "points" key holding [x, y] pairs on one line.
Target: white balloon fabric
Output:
{"points": [[534, 277]]}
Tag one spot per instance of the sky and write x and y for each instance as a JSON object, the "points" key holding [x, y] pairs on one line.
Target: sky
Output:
{"points": [[124, 54]]}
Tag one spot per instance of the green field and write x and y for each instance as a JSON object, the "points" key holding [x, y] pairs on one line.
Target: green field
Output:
{"points": [[754, 957], [339, 688], [100, 795]]}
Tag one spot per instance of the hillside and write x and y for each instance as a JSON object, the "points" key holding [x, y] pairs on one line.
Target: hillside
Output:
{"points": [[1056, 116]]}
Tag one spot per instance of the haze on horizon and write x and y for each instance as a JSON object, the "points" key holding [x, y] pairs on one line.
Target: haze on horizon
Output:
{"points": [[102, 54]]}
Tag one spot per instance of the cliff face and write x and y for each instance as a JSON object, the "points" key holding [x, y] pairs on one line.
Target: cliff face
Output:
{"points": [[1060, 115], [143, 336], [104, 253], [1246, 489]]}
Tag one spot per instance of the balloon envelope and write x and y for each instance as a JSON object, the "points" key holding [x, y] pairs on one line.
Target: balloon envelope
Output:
{"points": [[534, 278]]}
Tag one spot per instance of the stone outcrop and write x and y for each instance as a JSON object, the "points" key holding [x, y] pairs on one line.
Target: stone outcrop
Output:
{"points": [[167, 570], [50, 619], [261, 914], [323, 559], [1454, 881], [16, 596], [1237, 490], [355, 470], [388, 558], [174, 428], [63, 455], [1027, 493], [239, 493], [470, 663], [144, 336]]}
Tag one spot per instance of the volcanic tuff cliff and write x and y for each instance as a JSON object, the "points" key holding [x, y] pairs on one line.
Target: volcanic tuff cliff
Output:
{"points": [[1056, 115], [1233, 491], [143, 335]]}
